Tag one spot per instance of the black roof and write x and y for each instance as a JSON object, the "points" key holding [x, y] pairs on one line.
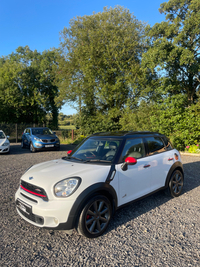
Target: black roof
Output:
{"points": [[126, 133]]}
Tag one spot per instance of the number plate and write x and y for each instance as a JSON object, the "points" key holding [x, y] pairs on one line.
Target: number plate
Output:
{"points": [[24, 207], [49, 145]]}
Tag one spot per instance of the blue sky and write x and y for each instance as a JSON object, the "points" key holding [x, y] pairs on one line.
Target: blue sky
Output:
{"points": [[37, 23]]}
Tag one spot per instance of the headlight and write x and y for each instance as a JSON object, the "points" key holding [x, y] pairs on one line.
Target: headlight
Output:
{"points": [[5, 144], [37, 139], [66, 187]]}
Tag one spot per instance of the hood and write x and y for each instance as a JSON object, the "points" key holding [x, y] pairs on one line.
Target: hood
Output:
{"points": [[47, 136], [2, 141], [47, 174]]}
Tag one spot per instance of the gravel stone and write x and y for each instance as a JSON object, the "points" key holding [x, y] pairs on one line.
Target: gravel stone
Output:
{"points": [[155, 231]]}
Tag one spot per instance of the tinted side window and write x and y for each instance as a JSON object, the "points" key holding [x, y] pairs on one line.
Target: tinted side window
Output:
{"points": [[167, 143], [133, 148], [155, 145]]}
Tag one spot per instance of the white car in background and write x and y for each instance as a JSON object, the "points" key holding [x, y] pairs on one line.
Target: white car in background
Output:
{"points": [[4, 143]]}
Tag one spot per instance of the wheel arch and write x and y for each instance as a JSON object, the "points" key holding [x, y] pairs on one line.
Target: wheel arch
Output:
{"points": [[104, 189], [176, 166]]}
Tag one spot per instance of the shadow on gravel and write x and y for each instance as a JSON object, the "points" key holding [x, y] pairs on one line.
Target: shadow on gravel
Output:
{"points": [[136, 209], [16, 149]]}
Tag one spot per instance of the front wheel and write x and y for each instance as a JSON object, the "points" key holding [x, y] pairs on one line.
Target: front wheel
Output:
{"points": [[95, 217], [175, 184], [32, 149], [22, 144]]}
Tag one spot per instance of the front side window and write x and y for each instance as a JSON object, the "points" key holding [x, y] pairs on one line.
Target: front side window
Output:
{"points": [[155, 145], [133, 148], [167, 143]]}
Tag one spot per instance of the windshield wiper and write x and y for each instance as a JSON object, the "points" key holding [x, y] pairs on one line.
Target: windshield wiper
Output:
{"points": [[97, 160], [66, 158]]}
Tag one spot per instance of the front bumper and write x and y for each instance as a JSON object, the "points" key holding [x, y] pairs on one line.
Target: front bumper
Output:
{"points": [[4, 149], [52, 214], [46, 146]]}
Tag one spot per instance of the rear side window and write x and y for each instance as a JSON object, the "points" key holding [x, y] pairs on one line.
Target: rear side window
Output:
{"points": [[155, 145], [167, 143], [133, 148]]}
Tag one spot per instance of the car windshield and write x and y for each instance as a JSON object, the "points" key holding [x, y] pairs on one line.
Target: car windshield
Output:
{"points": [[41, 131], [95, 150], [2, 136]]}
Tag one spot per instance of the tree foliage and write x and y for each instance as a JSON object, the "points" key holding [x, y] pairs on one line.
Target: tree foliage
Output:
{"points": [[101, 68], [174, 51], [27, 86]]}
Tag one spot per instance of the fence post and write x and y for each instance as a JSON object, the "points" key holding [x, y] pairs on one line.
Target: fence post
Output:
{"points": [[72, 135], [16, 133]]}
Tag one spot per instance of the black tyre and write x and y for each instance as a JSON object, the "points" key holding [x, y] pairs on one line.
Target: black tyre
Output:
{"points": [[32, 149], [95, 217], [58, 148], [175, 184], [22, 144]]}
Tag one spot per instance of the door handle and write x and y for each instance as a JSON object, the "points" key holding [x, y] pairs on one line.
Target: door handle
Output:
{"points": [[170, 159], [146, 166]]}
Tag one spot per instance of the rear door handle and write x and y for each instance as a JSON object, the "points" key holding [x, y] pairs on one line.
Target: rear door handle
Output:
{"points": [[146, 166], [170, 159]]}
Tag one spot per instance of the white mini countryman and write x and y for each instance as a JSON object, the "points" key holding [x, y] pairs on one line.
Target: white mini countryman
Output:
{"points": [[104, 172]]}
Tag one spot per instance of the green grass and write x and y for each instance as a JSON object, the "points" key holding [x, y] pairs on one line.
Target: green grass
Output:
{"points": [[66, 127]]}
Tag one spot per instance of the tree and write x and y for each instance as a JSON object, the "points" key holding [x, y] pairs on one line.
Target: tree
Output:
{"points": [[100, 68], [27, 86], [174, 52]]}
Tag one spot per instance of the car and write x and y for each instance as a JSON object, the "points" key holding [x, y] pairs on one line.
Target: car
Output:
{"points": [[40, 138], [103, 173], [4, 143]]}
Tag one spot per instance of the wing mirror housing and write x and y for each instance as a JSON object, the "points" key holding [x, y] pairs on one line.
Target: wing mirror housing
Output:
{"points": [[69, 152], [128, 161]]}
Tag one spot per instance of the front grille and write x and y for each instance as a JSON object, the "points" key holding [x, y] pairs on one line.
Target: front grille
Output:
{"points": [[32, 217], [31, 199], [35, 190], [48, 140]]}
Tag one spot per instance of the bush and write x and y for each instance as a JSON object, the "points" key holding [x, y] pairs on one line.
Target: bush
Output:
{"points": [[193, 149]]}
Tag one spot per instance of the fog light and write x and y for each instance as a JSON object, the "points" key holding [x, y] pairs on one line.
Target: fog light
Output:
{"points": [[38, 144]]}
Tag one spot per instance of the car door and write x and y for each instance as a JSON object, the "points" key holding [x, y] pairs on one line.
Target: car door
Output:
{"points": [[136, 180], [161, 159]]}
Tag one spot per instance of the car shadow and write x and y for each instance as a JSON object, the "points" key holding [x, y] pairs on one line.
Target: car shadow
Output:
{"points": [[15, 148], [132, 211]]}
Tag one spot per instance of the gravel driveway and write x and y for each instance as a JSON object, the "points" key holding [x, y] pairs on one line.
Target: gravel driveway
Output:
{"points": [[156, 231]]}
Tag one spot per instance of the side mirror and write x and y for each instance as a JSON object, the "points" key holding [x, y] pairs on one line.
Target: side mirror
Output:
{"points": [[128, 161], [69, 152], [27, 133], [8, 136]]}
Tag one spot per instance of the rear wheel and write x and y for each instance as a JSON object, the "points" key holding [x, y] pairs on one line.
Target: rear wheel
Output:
{"points": [[95, 217], [32, 149], [175, 184]]}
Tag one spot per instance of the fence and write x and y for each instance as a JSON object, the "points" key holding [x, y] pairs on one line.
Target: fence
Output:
{"points": [[15, 130]]}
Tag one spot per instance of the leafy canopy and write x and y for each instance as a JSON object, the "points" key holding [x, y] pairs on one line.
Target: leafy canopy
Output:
{"points": [[27, 86], [101, 68], [174, 51]]}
